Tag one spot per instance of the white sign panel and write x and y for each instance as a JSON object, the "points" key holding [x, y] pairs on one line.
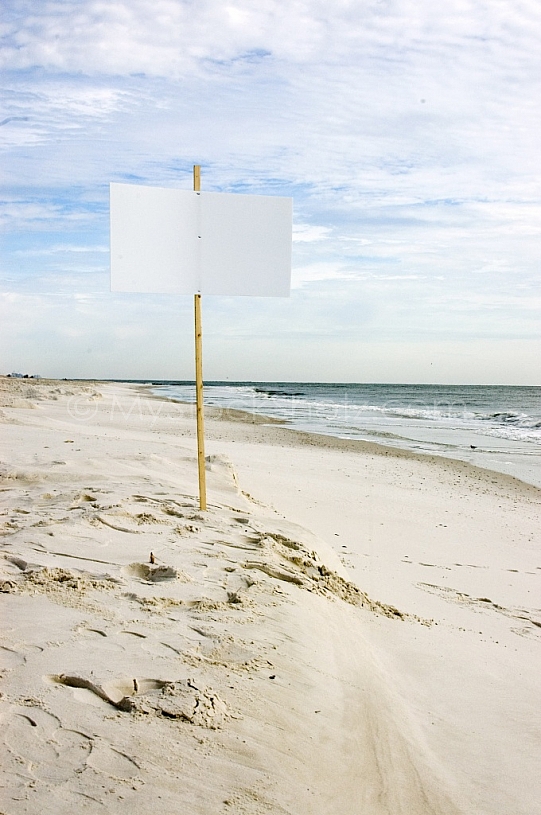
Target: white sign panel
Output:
{"points": [[182, 242]]}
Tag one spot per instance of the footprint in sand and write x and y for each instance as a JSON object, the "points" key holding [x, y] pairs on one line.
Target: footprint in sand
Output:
{"points": [[117, 693], [9, 659], [487, 605], [152, 646], [35, 747], [42, 747], [106, 759], [181, 699]]}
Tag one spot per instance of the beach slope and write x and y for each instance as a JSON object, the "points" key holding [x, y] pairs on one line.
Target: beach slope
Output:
{"points": [[291, 650]]}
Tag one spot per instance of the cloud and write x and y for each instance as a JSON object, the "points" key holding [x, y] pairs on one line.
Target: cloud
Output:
{"points": [[305, 233], [319, 271], [406, 132], [61, 249]]}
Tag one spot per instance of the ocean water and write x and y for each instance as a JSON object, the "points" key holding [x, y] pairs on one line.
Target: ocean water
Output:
{"points": [[496, 427]]}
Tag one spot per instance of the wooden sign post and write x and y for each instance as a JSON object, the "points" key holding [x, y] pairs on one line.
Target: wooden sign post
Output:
{"points": [[168, 241], [199, 401]]}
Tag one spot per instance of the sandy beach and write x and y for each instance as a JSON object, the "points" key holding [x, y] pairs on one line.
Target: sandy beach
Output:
{"points": [[347, 630]]}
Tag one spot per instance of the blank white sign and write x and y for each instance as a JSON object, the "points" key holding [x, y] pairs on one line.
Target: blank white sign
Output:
{"points": [[182, 242]]}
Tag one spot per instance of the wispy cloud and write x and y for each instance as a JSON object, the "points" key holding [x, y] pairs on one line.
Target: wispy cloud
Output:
{"points": [[60, 250], [305, 233]]}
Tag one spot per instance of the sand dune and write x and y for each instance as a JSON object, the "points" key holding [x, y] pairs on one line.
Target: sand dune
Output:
{"points": [[341, 632]]}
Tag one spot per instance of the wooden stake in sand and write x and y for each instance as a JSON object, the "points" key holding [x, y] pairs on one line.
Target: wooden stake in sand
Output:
{"points": [[199, 377]]}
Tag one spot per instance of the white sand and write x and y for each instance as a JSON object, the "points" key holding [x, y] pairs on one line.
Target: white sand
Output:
{"points": [[257, 665]]}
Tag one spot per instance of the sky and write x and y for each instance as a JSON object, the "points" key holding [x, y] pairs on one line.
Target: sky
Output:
{"points": [[407, 133]]}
